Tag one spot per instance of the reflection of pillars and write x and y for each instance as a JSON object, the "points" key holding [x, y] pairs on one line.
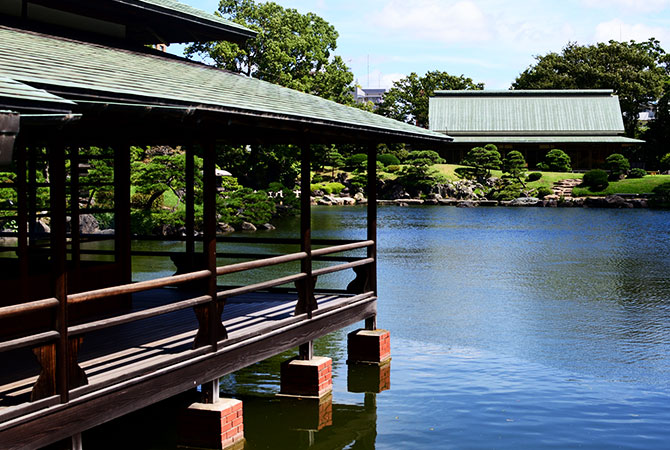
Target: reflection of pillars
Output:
{"points": [[369, 378], [310, 414], [212, 426]]}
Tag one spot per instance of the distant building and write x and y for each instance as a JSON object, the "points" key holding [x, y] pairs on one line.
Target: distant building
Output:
{"points": [[369, 95], [586, 124]]}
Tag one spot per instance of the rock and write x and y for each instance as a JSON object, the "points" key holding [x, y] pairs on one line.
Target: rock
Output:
{"points": [[88, 224], [614, 201], [467, 204], [525, 201], [488, 202], [348, 201], [401, 203], [268, 227], [552, 197], [40, 227], [323, 202], [448, 201], [411, 201], [248, 226], [222, 227], [431, 201], [595, 202], [107, 231]]}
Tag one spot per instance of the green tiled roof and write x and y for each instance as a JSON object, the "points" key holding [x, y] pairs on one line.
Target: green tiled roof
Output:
{"points": [[546, 140], [189, 11], [522, 113], [69, 67], [21, 96]]}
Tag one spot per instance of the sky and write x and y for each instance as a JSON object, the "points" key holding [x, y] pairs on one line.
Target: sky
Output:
{"points": [[490, 41]]}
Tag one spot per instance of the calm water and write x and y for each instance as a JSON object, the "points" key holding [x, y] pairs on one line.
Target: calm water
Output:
{"points": [[510, 328]]}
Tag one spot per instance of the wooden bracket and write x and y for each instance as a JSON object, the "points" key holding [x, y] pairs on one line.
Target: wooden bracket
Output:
{"points": [[361, 283], [306, 300], [202, 339], [46, 385]]}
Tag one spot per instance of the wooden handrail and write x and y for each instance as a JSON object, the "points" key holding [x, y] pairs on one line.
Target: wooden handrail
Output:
{"points": [[37, 305], [259, 286], [342, 248], [138, 287], [139, 315], [31, 340], [267, 262], [340, 267]]}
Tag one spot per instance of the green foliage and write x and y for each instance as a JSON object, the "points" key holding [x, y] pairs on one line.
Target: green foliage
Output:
{"points": [[481, 160], [618, 166], [357, 161], [506, 190], [660, 196], [248, 205], [534, 176], [514, 165], [556, 160], [407, 100], [543, 191], [595, 179], [100, 171], [393, 168], [637, 173], [635, 70], [388, 159], [664, 162], [291, 49], [418, 175], [424, 157]]}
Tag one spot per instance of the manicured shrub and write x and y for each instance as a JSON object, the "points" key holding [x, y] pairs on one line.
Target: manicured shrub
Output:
{"points": [[388, 160], [543, 191], [556, 161], [595, 179], [534, 176], [637, 173], [356, 161], [393, 168], [665, 162], [660, 196], [335, 188], [618, 166], [316, 178]]}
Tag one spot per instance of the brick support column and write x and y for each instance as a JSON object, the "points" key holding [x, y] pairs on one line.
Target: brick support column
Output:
{"points": [[369, 346], [212, 426], [307, 378]]}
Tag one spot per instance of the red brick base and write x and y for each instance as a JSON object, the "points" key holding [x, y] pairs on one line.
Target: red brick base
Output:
{"points": [[369, 346], [312, 378], [212, 426]]}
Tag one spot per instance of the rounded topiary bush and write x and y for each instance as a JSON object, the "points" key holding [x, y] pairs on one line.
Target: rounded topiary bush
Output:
{"points": [[618, 165], [534, 176], [388, 160], [393, 168], [335, 188], [356, 161], [637, 173], [543, 191], [595, 179]]}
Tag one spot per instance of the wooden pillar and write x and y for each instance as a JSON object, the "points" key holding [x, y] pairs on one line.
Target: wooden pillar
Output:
{"points": [[190, 206], [371, 323], [210, 392], [59, 263], [22, 220], [211, 329], [122, 235], [74, 215], [32, 194], [306, 300]]}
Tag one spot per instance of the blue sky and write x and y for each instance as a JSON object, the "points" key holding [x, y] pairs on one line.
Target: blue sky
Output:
{"points": [[491, 41]]}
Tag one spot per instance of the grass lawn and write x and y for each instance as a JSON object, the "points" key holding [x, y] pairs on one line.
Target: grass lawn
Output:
{"points": [[548, 178], [629, 186]]}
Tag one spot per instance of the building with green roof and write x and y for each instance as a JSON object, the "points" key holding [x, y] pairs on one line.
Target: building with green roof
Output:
{"points": [[586, 124]]}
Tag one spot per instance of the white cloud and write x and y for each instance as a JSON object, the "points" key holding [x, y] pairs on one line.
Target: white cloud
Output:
{"points": [[378, 79], [631, 5], [620, 31]]}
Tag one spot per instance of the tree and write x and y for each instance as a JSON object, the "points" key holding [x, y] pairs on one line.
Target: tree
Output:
{"points": [[635, 70], [291, 49], [481, 160], [418, 175], [556, 160], [658, 133], [514, 164], [407, 100], [618, 166]]}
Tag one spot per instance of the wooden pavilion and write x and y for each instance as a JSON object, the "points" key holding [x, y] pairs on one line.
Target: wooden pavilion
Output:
{"points": [[77, 73]]}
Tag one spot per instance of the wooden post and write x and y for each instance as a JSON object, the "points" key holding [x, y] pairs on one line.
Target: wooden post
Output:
{"points": [[74, 214], [22, 220], [32, 194], [190, 206], [210, 392], [306, 300], [122, 235], [59, 263], [210, 329], [371, 323]]}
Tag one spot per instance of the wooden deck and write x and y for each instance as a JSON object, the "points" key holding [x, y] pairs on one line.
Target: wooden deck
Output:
{"points": [[135, 364]]}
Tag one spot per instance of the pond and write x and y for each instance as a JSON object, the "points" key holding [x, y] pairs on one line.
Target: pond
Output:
{"points": [[534, 328]]}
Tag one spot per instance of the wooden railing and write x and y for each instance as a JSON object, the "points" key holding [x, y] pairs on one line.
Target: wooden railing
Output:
{"points": [[74, 333]]}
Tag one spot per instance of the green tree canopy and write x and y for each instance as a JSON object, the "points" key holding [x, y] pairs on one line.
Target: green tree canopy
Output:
{"points": [[556, 160], [481, 160], [635, 70], [291, 49], [407, 100], [514, 164]]}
